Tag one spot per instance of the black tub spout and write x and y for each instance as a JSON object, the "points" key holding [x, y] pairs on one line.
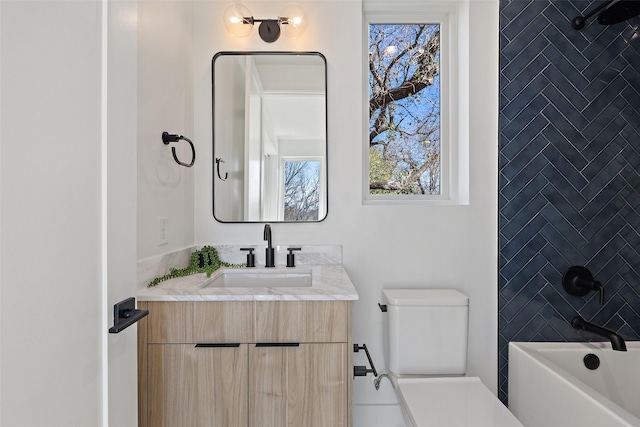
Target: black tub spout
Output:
{"points": [[617, 342]]}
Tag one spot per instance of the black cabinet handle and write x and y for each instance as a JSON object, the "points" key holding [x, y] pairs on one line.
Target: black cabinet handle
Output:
{"points": [[278, 344], [217, 345]]}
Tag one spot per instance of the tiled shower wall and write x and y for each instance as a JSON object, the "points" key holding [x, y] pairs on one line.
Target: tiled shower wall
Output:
{"points": [[569, 184]]}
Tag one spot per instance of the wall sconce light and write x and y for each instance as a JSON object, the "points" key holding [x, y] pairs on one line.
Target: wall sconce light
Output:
{"points": [[291, 21]]}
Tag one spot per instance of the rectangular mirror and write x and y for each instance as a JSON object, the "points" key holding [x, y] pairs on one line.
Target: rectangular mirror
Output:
{"points": [[269, 136]]}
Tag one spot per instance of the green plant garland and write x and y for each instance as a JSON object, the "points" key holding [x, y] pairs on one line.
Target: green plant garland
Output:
{"points": [[207, 256]]}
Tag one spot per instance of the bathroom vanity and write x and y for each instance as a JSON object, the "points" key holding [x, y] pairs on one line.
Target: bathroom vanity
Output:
{"points": [[247, 356]]}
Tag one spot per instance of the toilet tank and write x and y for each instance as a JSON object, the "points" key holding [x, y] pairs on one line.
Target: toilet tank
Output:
{"points": [[426, 331]]}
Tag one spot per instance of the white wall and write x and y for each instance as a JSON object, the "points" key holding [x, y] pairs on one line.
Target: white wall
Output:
{"points": [[383, 246], [119, 233], [68, 224], [51, 308], [165, 103]]}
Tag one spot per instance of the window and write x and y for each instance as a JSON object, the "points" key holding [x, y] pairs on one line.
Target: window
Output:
{"points": [[411, 137], [404, 109]]}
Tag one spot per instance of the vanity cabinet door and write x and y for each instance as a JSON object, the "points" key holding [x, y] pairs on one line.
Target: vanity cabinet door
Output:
{"points": [[297, 386], [302, 321], [197, 386], [200, 321]]}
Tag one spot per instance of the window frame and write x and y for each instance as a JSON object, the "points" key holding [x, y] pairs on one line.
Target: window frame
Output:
{"points": [[446, 15]]}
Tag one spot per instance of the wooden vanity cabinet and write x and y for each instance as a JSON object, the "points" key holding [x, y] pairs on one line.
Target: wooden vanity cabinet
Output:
{"points": [[301, 385], [258, 364], [302, 378], [192, 364], [194, 386]]}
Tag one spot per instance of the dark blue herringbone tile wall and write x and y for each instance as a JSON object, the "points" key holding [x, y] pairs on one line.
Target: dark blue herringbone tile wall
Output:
{"points": [[569, 183]]}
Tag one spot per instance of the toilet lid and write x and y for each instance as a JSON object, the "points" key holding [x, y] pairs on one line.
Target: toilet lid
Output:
{"points": [[453, 402], [425, 297]]}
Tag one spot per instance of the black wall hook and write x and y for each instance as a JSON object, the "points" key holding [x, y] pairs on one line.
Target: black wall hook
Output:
{"points": [[167, 138], [226, 174]]}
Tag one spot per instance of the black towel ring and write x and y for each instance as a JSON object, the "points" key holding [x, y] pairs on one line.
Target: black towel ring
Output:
{"points": [[168, 138]]}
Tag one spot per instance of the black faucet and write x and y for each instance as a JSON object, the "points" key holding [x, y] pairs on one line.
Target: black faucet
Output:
{"points": [[617, 342], [269, 253]]}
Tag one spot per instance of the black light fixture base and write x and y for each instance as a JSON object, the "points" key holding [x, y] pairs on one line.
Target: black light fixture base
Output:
{"points": [[269, 30]]}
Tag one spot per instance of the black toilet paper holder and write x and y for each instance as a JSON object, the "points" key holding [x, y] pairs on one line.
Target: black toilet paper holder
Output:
{"points": [[361, 370]]}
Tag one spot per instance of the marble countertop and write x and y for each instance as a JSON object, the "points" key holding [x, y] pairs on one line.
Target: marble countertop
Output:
{"points": [[328, 282]]}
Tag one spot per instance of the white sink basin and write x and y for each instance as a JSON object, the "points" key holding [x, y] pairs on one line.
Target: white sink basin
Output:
{"points": [[262, 279]]}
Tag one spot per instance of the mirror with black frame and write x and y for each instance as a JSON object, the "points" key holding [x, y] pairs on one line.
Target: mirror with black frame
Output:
{"points": [[269, 136]]}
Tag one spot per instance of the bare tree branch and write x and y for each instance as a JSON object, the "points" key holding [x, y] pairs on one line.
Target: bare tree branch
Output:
{"points": [[423, 78]]}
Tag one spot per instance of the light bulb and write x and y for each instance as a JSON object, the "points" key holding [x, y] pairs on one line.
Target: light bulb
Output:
{"points": [[292, 20], [238, 20]]}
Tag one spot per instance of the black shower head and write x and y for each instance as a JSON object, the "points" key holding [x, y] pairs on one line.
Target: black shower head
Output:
{"points": [[619, 11], [615, 11]]}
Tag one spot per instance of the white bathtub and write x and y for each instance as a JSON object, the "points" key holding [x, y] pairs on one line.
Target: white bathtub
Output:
{"points": [[550, 386]]}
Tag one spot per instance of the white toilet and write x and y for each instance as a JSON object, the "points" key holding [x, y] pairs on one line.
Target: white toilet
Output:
{"points": [[426, 356]]}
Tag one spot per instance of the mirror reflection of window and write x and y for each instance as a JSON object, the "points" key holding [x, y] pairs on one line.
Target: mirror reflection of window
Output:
{"points": [[301, 190]]}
